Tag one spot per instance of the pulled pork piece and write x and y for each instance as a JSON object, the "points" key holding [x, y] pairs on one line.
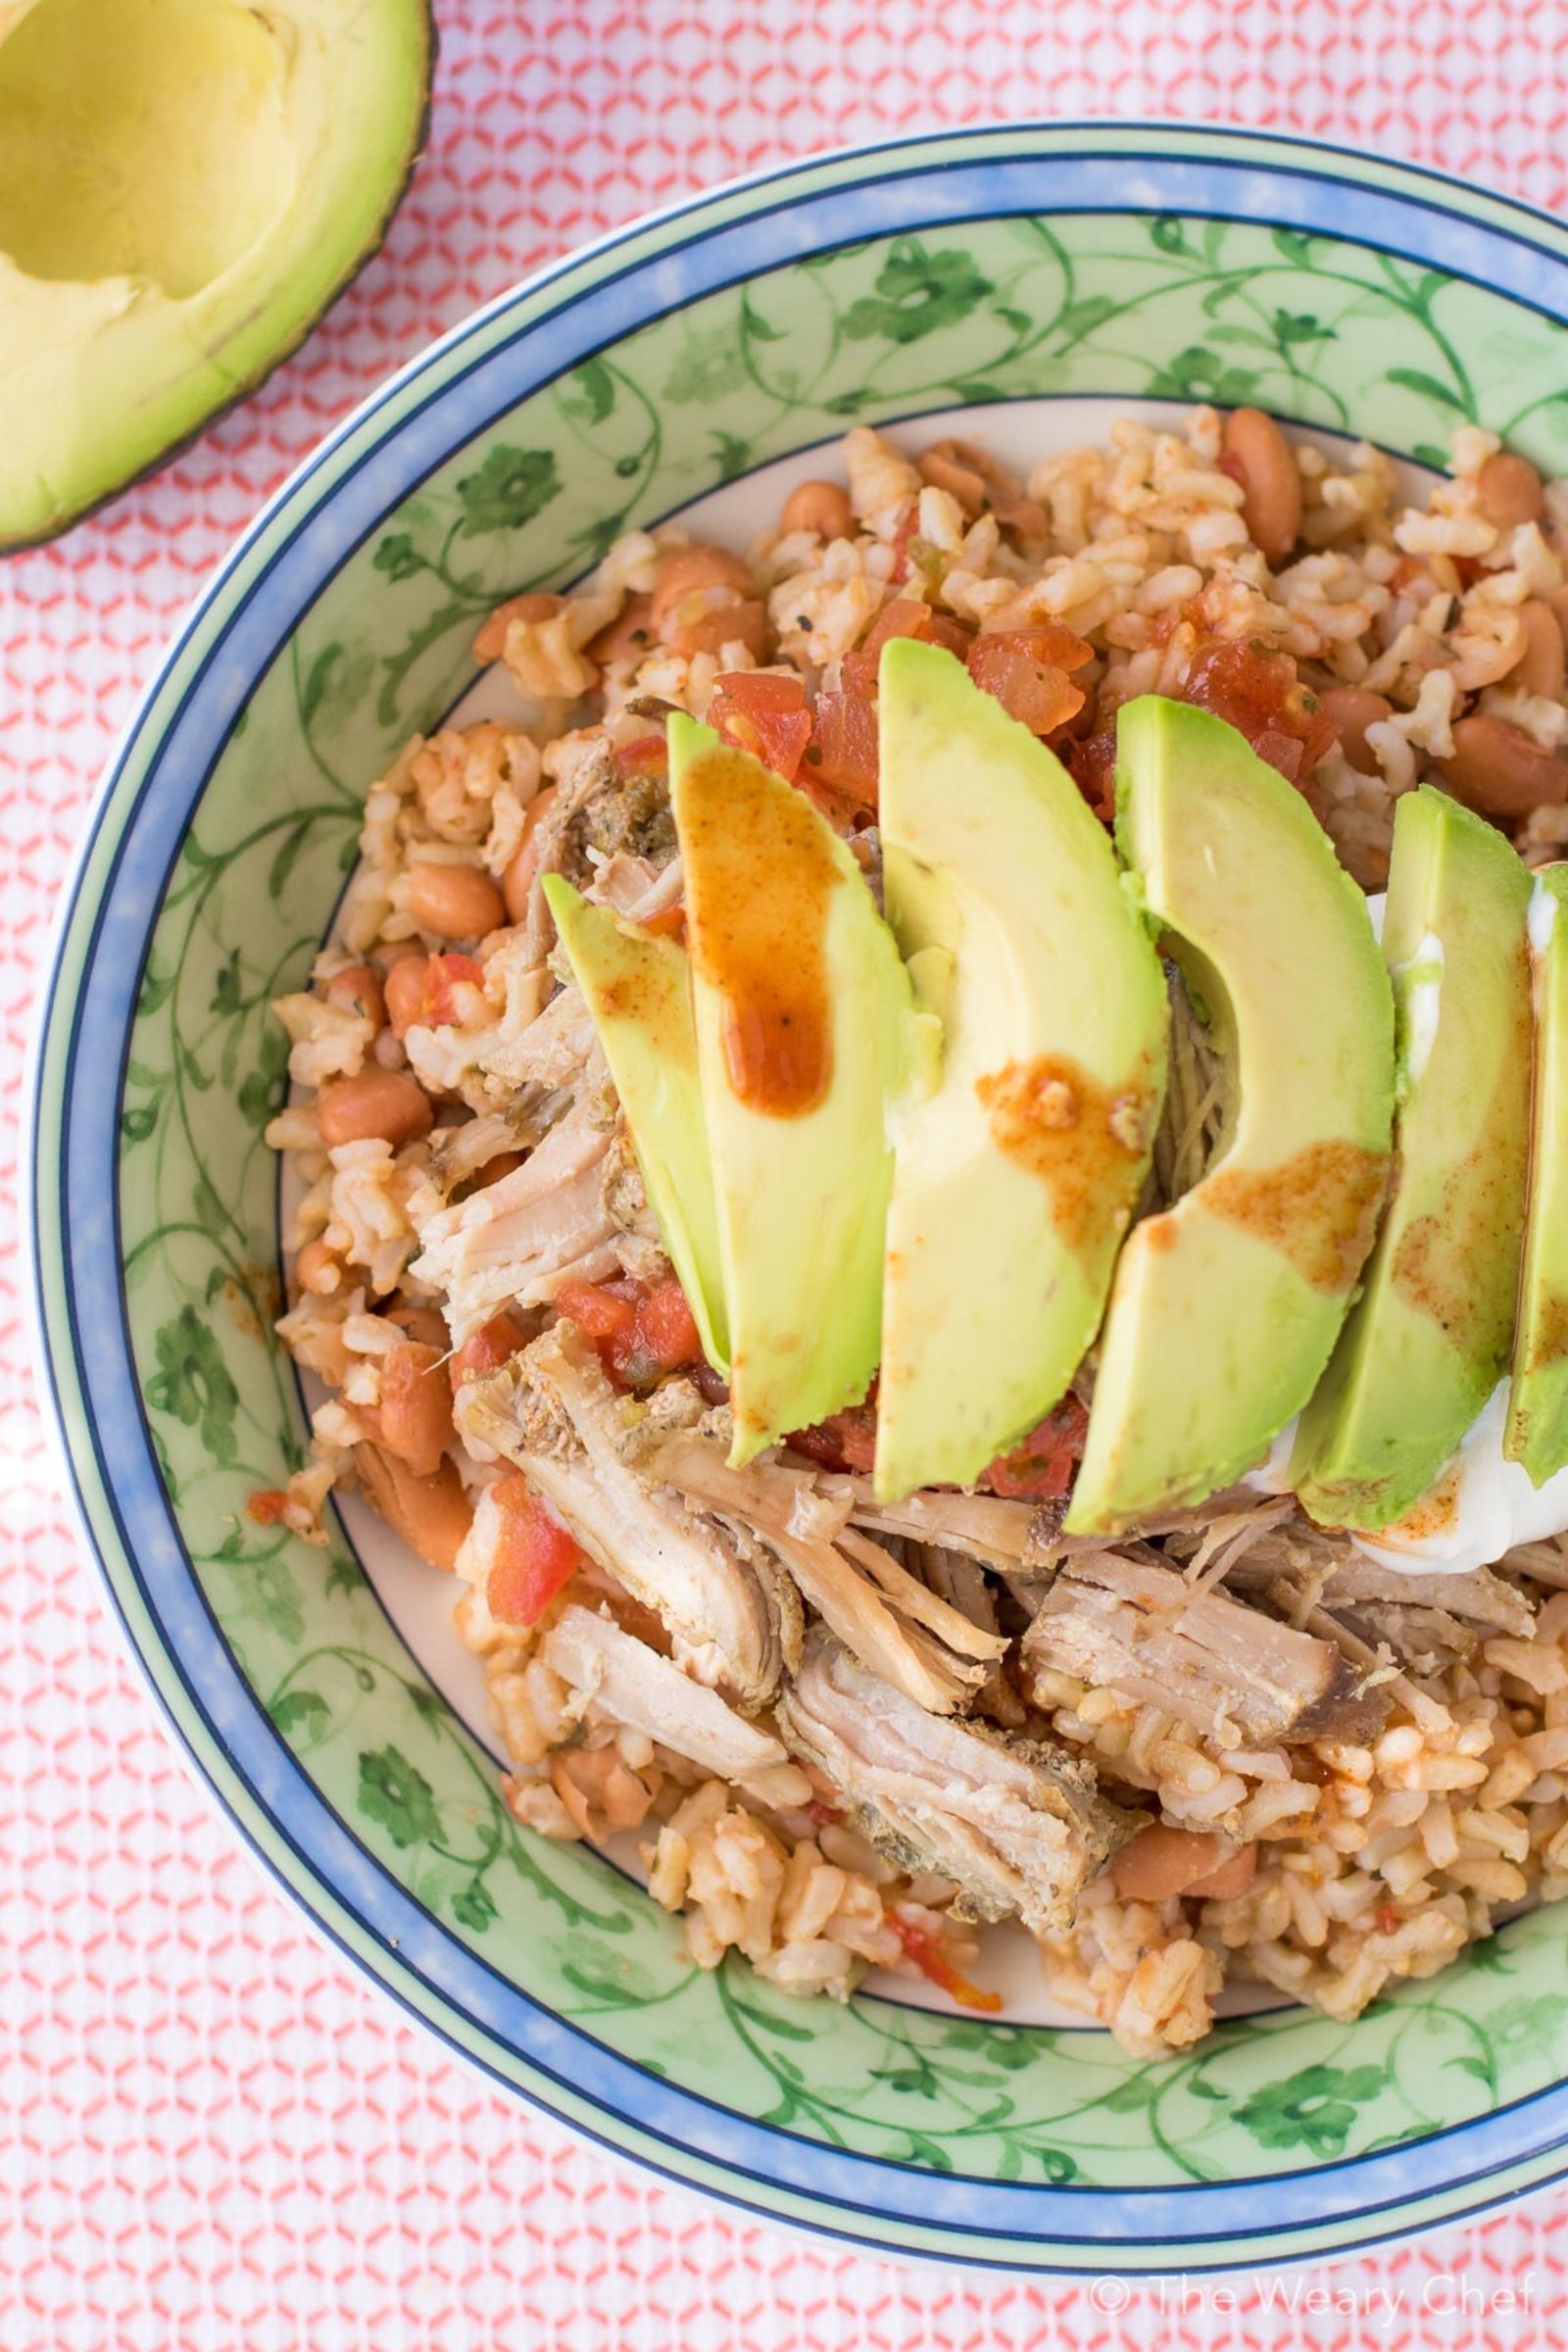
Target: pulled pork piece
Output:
{"points": [[599, 814], [889, 1618], [513, 1242], [1123, 1621], [1016, 1823], [734, 1619], [991, 1531], [639, 1688]]}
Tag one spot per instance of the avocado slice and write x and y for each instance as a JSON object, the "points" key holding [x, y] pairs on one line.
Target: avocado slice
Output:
{"points": [[638, 989], [1536, 1432], [803, 1012], [1429, 1339], [188, 184], [1017, 1172], [1226, 1306]]}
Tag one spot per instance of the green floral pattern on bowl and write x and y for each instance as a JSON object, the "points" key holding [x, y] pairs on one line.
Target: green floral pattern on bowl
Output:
{"points": [[1034, 307]]}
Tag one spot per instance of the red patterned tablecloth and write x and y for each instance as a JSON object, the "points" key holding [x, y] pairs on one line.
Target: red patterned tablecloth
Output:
{"points": [[211, 2135]]}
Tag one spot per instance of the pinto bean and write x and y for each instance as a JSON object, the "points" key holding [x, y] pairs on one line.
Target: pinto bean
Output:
{"points": [[1352, 709], [1161, 1861], [685, 570], [385, 1104], [431, 1514], [535, 604], [405, 993], [1508, 491], [1265, 464], [317, 1269], [1233, 1878], [1501, 771], [415, 1407], [710, 627], [358, 989], [630, 633], [1540, 668], [427, 1324], [455, 901], [517, 883], [819, 507]]}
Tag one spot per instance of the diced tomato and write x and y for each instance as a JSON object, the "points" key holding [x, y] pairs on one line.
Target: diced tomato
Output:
{"points": [[494, 1343], [644, 756], [1093, 766], [763, 715], [669, 923], [266, 1506], [932, 1961], [906, 616], [843, 755], [442, 976], [641, 1330], [667, 1327], [1037, 693], [1254, 686], [845, 1440], [1051, 642], [534, 1555], [599, 1311], [1040, 1467]]}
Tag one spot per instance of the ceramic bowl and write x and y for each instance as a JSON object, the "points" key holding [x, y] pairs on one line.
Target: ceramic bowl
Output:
{"points": [[1034, 282]]}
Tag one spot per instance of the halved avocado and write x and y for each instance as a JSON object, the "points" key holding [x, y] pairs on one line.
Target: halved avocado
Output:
{"points": [[1431, 1336], [1226, 1306], [638, 989], [1017, 1172], [186, 185], [803, 1012], [1536, 1430]]}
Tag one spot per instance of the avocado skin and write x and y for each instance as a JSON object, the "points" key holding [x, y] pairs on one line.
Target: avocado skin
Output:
{"points": [[1536, 1428], [69, 511], [1046, 1003], [1226, 1306], [1430, 1334]]}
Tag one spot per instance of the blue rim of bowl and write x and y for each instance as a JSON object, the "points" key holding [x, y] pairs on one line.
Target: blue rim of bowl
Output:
{"points": [[465, 383]]}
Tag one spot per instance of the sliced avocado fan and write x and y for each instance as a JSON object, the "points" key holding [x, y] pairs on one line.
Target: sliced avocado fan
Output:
{"points": [[1226, 1306], [1430, 1337], [802, 1015], [1537, 1429], [187, 183], [1017, 1169], [638, 989]]}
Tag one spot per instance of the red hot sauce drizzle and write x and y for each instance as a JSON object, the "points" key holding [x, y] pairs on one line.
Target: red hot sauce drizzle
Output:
{"points": [[760, 878]]}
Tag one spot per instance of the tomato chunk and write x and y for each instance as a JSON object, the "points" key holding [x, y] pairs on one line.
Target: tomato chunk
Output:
{"points": [[641, 1330], [493, 1345], [766, 715], [1040, 1468], [1254, 686], [266, 1505], [845, 1440], [843, 756], [644, 756], [535, 1555], [1037, 692], [925, 1950], [906, 616], [442, 977]]}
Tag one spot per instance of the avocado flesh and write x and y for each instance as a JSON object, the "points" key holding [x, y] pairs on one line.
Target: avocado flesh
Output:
{"points": [[1017, 1172], [1430, 1337], [638, 990], [188, 184], [1225, 1306], [1536, 1432], [803, 1012]]}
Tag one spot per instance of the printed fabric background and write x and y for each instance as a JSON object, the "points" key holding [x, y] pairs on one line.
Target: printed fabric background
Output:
{"points": [[211, 2135]]}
